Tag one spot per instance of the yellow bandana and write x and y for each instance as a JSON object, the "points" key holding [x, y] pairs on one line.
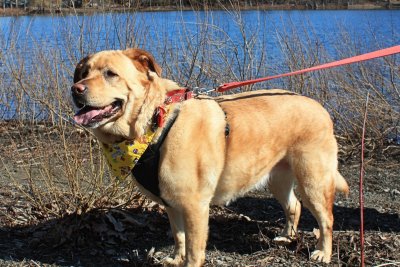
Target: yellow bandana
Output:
{"points": [[122, 157]]}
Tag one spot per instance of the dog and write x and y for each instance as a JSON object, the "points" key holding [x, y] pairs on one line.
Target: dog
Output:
{"points": [[212, 150]]}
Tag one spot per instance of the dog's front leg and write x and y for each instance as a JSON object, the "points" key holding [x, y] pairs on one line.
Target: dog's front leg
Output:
{"points": [[178, 231], [189, 226], [195, 219]]}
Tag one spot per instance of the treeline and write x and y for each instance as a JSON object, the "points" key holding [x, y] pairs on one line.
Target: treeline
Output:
{"points": [[198, 4]]}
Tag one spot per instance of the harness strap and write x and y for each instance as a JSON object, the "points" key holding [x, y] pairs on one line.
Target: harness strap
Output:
{"points": [[146, 169], [227, 127]]}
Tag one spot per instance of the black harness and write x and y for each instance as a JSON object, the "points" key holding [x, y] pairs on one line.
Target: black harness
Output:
{"points": [[146, 169]]}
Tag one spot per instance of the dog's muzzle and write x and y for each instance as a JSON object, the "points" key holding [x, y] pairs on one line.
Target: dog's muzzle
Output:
{"points": [[78, 92]]}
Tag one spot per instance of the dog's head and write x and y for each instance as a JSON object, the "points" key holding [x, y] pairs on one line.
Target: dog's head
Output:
{"points": [[116, 92]]}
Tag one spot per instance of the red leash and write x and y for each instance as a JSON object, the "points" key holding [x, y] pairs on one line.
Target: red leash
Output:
{"points": [[361, 182], [380, 53]]}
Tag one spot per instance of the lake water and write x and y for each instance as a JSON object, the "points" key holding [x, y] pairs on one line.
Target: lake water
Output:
{"points": [[245, 44], [155, 31]]}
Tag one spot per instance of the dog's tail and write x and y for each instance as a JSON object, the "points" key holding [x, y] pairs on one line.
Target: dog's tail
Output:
{"points": [[341, 184]]}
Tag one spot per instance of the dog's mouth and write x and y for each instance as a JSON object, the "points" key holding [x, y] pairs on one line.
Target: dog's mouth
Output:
{"points": [[89, 116]]}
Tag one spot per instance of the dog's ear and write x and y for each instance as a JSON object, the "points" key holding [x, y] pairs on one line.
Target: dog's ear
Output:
{"points": [[81, 69], [143, 60]]}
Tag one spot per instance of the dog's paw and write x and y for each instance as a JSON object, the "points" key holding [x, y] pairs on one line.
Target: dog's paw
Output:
{"points": [[320, 256], [170, 262], [283, 240]]}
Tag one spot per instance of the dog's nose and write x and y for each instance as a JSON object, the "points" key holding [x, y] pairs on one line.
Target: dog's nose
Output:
{"points": [[79, 88]]}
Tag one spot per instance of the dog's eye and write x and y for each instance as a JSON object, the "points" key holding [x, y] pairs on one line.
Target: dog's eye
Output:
{"points": [[85, 74], [110, 74]]}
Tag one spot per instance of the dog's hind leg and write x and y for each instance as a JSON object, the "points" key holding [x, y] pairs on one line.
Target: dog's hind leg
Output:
{"points": [[281, 185], [178, 232], [315, 172]]}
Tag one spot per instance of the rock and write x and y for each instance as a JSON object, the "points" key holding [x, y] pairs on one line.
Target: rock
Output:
{"points": [[395, 192]]}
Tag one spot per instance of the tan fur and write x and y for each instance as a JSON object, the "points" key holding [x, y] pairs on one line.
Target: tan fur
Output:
{"points": [[276, 138]]}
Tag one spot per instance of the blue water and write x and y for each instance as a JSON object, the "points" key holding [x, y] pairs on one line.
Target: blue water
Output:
{"points": [[155, 31], [259, 40]]}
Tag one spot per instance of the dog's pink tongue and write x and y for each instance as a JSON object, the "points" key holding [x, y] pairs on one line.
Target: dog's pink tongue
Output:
{"points": [[84, 118], [86, 115]]}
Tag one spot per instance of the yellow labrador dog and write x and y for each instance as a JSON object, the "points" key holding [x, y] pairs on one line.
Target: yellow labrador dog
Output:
{"points": [[213, 150]]}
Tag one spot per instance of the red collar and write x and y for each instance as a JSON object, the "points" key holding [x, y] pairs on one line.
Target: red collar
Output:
{"points": [[178, 95], [174, 96]]}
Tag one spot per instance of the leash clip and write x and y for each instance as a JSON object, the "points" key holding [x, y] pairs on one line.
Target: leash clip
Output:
{"points": [[202, 90]]}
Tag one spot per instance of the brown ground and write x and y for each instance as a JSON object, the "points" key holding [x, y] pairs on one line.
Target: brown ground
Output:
{"points": [[240, 234]]}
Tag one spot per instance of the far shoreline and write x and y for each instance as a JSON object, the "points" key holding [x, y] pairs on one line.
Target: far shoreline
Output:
{"points": [[5, 12]]}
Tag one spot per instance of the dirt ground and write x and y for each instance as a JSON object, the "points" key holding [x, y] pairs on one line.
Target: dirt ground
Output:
{"points": [[240, 234]]}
